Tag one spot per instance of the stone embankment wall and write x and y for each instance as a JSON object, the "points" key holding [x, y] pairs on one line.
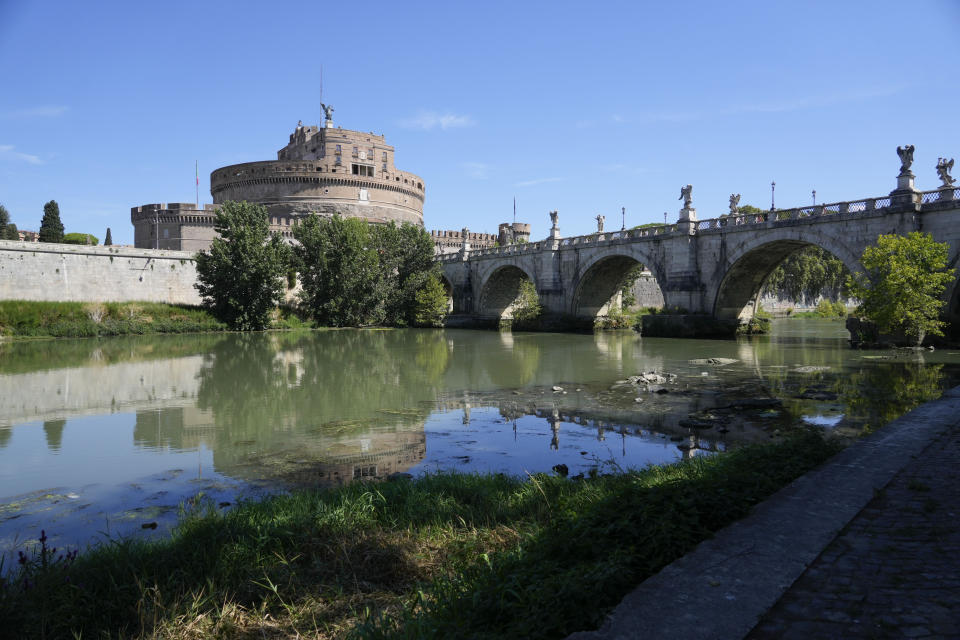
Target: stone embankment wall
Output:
{"points": [[74, 273], [647, 292]]}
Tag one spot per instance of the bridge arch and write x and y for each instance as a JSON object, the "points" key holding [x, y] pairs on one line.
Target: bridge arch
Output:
{"points": [[500, 290], [448, 290], [749, 263], [601, 277]]}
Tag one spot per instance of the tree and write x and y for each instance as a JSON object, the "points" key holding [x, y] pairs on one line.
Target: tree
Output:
{"points": [[406, 264], [430, 302], [80, 238], [902, 283], [4, 223], [241, 279], [8, 230], [108, 241], [354, 273], [341, 276], [806, 274], [51, 229]]}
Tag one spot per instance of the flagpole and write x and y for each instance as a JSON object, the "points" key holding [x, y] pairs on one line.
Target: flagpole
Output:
{"points": [[198, 183]]}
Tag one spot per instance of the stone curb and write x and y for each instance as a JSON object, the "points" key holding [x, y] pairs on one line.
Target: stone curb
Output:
{"points": [[721, 589]]}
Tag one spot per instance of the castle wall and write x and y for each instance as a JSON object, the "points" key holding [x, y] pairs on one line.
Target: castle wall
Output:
{"points": [[77, 273]]}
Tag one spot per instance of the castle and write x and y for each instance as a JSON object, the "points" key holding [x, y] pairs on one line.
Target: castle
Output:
{"points": [[321, 171]]}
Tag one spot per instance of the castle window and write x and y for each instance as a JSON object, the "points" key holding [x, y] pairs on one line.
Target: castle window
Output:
{"points": [[371, 155], [323, 150], [338, 162], [339, 150], [356, 151], [384, 156], [384, 168]]}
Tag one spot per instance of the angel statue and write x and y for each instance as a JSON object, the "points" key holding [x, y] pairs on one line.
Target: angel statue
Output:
{"points": [[327, 111], [685, 195], [734, 203], [600, 220], [553, 218], [943, 170], [906, 158]]}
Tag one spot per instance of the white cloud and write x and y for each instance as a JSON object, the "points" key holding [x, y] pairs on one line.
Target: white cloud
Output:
{"points": [[530, 183], [8, 150], [432, 119], [477, 170], [44, 111]]}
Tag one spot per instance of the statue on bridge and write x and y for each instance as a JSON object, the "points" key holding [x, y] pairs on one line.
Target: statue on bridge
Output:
{"points": [[734, 203], [600, 219], [553, 218], [943, 171], [906, 158], [685, 195]]}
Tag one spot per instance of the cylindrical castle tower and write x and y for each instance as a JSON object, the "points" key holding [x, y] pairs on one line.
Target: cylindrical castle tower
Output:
{"points": [[321, 171], [325, 171]]}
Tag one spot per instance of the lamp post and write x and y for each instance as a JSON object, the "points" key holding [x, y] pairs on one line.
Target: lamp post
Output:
{"points": [[773, 186], [156, 228], [623, 214], [664, 217], [814, 193]]}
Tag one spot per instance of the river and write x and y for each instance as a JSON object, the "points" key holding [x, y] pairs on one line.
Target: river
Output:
{"points": [[112, 437]]}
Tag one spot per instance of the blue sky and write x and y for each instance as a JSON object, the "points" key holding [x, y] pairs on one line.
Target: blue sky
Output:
{"points": [[584, 108]]}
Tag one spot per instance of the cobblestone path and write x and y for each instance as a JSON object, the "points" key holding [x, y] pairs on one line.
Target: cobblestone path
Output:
{"points": [[894, 571]]}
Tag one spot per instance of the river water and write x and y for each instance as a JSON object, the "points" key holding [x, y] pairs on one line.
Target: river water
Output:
{"points": [[112, 437]]}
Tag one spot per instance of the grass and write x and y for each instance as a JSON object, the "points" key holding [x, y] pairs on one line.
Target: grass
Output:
{"points": [[83, 319], [21, 318], [447, 555]]}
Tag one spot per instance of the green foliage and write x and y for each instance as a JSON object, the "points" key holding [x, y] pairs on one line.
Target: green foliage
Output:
{"points": [[340, 272], [902, 284], [406, 262], [241, 277], [748, 209], [808, 274], [80, 238], [109, 239], [78, 319], [430, 303], [357, 274], [51, 229], [8, 230], [758, 324], [527, 307], [827, 309], [514, 549]]}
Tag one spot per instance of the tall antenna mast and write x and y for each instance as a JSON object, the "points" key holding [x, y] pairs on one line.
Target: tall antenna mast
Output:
{"points": [[321, 84]]}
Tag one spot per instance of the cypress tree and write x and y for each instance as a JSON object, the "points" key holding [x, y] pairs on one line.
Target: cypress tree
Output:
{"points": [[51, 229], [109, 239]]}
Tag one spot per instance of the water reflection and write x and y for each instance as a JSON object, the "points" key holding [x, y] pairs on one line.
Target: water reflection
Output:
{"points": [[132, 426]]}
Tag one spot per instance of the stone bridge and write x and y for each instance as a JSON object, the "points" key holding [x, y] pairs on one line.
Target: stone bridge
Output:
{"points": [[715, 266]]}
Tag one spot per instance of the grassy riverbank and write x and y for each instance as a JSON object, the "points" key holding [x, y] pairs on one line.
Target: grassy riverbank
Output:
{"points": [[443, 556], [21, 318]]}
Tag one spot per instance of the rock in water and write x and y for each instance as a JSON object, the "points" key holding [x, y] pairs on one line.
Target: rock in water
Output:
{"points": [[561, 470]]}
